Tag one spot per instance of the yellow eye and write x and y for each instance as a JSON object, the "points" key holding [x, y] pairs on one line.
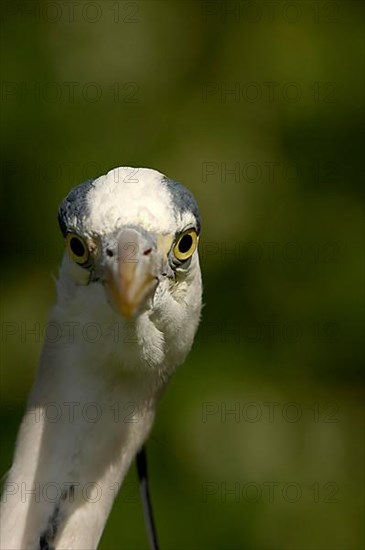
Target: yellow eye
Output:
{"points": [[186, 245], [77, 248]]}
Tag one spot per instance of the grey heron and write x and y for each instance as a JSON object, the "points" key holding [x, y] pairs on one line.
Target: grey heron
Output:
{"points": [[131, 273]]}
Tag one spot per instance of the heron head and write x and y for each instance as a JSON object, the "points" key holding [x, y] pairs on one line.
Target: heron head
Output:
{"points": [[133, 231]]}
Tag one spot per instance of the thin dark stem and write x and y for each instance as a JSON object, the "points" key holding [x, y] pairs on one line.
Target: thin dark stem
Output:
{"points": [[141, 461]]}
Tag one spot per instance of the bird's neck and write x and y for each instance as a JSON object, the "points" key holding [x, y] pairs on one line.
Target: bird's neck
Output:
{"points": [[91, 408], [87, 417]]}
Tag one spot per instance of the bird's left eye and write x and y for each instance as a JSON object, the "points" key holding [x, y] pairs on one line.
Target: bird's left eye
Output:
{"points": [[77, 248], [186, 245]]}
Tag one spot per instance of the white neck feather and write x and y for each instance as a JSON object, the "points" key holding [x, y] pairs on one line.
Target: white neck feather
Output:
{"points": [[91, 409]]}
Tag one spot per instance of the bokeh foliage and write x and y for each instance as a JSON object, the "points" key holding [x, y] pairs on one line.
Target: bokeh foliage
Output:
{"points": [[281, 244]]}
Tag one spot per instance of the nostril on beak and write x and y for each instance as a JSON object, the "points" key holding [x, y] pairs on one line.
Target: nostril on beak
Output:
{"points": [[109, 252], [147, 252]]}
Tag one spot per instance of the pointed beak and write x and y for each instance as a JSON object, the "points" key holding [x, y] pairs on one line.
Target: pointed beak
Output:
{"points": [[131, 272]]}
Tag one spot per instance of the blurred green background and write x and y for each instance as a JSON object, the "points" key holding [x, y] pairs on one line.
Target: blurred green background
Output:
{"points": [[258, 108]]}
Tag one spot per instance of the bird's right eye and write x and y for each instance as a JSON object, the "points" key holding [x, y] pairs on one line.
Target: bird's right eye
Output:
{"points": [[77, 248]]}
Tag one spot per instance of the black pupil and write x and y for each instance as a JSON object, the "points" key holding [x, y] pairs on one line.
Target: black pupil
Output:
{"points": [[185, 243], [77, 247]]}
